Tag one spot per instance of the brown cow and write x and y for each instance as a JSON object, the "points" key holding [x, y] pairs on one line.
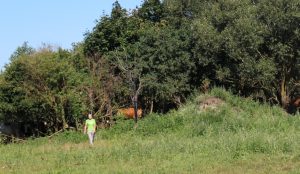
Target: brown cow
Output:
{"points": [[296, 102], [129, 112], [294, 105]]}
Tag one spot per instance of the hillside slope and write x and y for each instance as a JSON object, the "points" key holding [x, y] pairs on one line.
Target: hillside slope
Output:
{"points": [[237, 136]]}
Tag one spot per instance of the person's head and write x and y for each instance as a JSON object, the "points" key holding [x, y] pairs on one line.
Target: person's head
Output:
{"points": [[90, 116]]}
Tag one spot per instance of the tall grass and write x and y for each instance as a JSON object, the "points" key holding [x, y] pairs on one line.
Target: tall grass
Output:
{"points": [[241, 136]]}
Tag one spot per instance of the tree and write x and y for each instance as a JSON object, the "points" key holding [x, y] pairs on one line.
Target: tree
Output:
{"points": [[282, 42], [110, 34], [151, 10], [168, 65], [25, 49], [107, 34], [40, 90]]}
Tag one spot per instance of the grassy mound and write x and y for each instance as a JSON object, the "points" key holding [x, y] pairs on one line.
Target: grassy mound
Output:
{"points": [[239, 136]]}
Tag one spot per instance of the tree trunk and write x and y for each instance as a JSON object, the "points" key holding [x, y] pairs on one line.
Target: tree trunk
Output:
{"points": [[283, 93], [151, 106], [135, 108], [76, 124], [109, 110], [91, 99], [63, 118], [60, 113]]}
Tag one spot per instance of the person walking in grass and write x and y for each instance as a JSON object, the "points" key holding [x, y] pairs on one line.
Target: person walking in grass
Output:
{"points": [[90, 128]]}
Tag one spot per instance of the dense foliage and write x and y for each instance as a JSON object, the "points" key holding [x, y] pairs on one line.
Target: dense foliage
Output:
{"points": [[240, 136], [160, 53]]}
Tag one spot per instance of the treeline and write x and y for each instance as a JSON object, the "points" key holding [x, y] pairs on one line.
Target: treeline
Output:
{"points": [[159, 53]]}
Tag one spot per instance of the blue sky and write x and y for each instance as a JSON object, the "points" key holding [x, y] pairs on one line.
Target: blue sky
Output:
{"points": [[55, 22]]}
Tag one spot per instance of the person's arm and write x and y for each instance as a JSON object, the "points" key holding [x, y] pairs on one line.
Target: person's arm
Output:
{"points": [[95, 126]]}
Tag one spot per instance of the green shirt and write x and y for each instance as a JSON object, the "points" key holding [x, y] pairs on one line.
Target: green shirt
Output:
{"points": [[90, 123]]}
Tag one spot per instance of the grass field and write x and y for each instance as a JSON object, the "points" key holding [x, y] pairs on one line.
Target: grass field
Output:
{"points": [[241, 136]]}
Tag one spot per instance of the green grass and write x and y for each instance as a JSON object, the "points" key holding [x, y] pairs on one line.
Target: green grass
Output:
{"points": [[241, 136]]}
